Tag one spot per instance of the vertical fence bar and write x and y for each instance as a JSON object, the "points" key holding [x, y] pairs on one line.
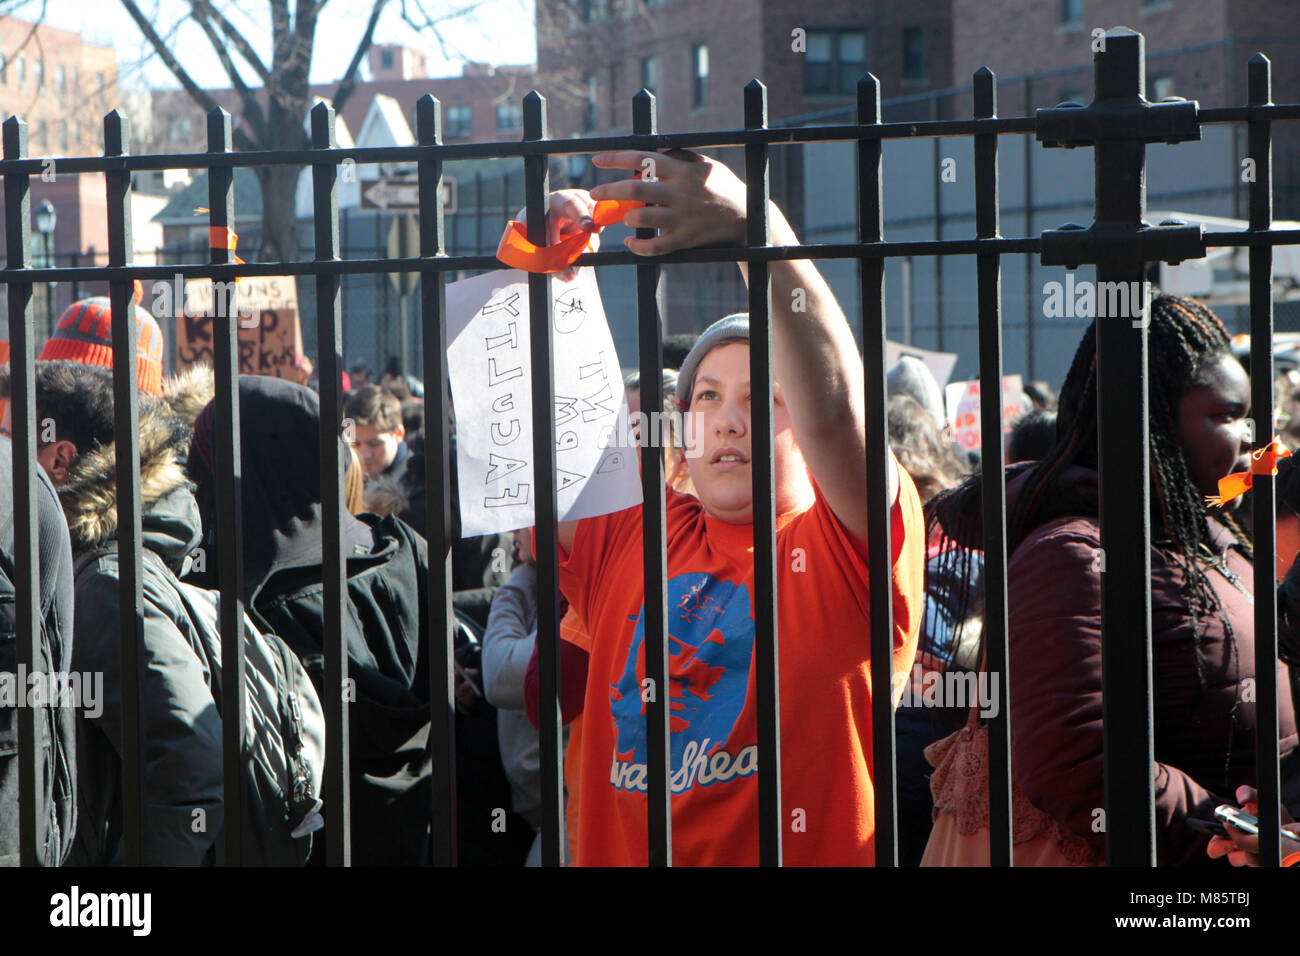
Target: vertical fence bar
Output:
{"points": [[649, 299], [437, 468], [989, 297], [871, 226], [1123, 461], [228, 468], [329, 325], [22, 405], [126, 426], [938, 234], [766, 599], [1260, 147], [1029, 231], [536, 188]]}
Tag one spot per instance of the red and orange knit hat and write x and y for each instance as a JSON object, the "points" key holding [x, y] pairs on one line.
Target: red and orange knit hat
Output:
{"points": [[85, 335]]}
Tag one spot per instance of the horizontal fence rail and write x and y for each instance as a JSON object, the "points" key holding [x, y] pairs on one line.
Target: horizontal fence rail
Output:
{"points": [[1117, 126]]}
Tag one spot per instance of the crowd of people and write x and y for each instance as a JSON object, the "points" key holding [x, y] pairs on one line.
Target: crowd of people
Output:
{"points": [[1203, 638]]}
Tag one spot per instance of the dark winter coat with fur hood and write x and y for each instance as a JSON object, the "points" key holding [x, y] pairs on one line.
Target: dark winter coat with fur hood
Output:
{"points": [[182, 773]]}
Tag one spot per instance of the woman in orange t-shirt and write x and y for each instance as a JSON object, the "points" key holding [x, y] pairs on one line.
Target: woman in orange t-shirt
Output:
{"points": [[820, 476]]}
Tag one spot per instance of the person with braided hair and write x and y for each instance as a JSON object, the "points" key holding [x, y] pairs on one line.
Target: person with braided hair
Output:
{"points": [[1202, 617]]}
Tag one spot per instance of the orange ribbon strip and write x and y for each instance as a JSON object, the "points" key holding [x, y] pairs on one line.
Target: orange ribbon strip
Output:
{"points": [[1262, 462], [222, 237], [517, 252]]}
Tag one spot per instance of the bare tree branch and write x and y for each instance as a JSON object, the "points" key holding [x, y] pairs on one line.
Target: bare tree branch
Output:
{"points": [[241, 139], [204, 8], [252, 108], [349, 81], [427, 21]]}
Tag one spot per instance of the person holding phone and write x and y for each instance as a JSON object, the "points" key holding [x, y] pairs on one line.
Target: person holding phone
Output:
{"points": [[1241, 847]]}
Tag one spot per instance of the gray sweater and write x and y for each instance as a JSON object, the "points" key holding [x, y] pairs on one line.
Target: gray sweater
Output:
{"points": [[507, 647]]}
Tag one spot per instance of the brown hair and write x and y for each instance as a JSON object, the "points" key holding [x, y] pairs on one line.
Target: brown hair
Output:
{"points": [[372, 405], [921, 449]]}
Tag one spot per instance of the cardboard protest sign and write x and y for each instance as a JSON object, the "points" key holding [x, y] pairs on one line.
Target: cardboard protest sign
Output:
{"points": [[491, 388], [270, 336], [963, 400]]}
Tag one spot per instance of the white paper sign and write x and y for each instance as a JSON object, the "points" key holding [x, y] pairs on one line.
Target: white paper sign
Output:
{"points": [[491, 388], [964, 409]]}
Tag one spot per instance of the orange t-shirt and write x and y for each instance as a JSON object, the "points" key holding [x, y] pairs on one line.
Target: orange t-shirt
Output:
{"points": [[825, 682]]}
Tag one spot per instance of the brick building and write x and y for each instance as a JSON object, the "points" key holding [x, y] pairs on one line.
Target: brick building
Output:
{"points": [[480, 105], [61, 87], [1196, 49], [594, 55]]}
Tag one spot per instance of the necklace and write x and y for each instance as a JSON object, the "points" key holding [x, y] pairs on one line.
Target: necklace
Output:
{"points": [[1219, 563]]}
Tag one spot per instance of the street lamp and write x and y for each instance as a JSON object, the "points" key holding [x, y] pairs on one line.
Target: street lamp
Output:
{"points": [[46, 218]]}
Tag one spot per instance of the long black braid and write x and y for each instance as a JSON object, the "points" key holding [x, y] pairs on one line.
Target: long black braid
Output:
{"points": [[1185, 338]]}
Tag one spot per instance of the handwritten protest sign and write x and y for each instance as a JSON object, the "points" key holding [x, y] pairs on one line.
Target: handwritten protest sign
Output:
{"points": [[964, 409], [270, 336], [491, 388]]}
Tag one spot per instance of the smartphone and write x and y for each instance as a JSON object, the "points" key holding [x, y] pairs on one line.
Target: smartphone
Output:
{"points": [[1238, 817], [1246, 823]]}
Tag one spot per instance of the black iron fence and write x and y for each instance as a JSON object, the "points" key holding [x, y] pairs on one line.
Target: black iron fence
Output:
{"points": [[1117, 125]]}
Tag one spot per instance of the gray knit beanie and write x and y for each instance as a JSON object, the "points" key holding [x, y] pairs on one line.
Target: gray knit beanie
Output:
{"points": [[730, 328]]}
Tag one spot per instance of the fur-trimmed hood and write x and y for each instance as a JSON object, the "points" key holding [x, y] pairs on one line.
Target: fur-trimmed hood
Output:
{"points": [[169, 513], [188, 391]]}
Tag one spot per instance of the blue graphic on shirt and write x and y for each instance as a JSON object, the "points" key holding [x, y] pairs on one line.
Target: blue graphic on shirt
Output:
{"points": [[710, 647]]}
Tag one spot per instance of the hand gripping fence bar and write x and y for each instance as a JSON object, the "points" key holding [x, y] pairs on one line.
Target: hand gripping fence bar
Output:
{"points": [[1117, 125]]}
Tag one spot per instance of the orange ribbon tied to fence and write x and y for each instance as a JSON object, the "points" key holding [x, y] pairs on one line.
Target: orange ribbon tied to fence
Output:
{"points": [[1263, 461], [517, 252]]}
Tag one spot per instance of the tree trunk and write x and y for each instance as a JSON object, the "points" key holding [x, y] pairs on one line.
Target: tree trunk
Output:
{"points": [[279, 217]]}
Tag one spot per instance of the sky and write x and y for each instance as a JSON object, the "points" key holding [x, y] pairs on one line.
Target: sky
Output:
{"points": [[496, 31]]}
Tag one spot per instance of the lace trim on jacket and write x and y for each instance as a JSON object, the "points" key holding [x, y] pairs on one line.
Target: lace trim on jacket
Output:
{"points": [[960, 785]]}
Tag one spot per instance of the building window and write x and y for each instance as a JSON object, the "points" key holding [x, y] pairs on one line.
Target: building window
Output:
{"points": [[586, 10], [39, 74], [4, 69], [386, 59], [63, 136], [913, 53], [42, 136], [699, 75], [650, 73], [1071, 11], [589, 103], [22, 71], [834, 61], [1161, 87], [61, 78], [99, 79], [460, 121], [510, 116]]}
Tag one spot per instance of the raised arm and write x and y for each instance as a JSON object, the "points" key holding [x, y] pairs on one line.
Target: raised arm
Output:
{"points": [[696, 201]]}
